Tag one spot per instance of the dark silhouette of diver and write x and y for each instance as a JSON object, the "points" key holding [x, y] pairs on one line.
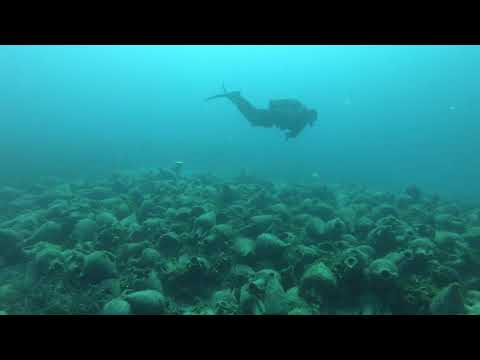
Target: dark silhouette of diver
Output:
{"points": [[287, 114]]}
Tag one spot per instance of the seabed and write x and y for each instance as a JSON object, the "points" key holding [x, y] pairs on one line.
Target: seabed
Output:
{"points": [[159, 242]]}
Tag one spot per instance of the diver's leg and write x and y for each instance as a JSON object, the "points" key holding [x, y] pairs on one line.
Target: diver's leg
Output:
{"points": [[261, 118]]}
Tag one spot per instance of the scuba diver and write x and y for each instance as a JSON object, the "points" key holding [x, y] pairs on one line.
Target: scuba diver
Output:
{"points": [[287, 114]]}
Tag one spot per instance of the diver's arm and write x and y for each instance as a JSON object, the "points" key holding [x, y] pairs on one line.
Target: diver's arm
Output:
{"points": [[293, 133]]}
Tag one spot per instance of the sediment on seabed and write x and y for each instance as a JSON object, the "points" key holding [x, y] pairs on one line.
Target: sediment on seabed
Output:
{"points": [[158, 242]]}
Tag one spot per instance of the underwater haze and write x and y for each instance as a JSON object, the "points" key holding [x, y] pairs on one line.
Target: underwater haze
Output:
{"points": [[154, 180], [388, 116]]}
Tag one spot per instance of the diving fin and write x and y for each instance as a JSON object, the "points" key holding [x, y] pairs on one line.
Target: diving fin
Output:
{"points": [[225, 94], [215, 97]]}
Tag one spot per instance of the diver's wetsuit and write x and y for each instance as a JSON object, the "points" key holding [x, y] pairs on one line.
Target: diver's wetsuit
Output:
{"points": [[290, 115], [285, 114]]}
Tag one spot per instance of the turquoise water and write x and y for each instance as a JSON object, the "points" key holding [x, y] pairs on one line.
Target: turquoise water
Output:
{"points": [[388, 115], [122, 191]]}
